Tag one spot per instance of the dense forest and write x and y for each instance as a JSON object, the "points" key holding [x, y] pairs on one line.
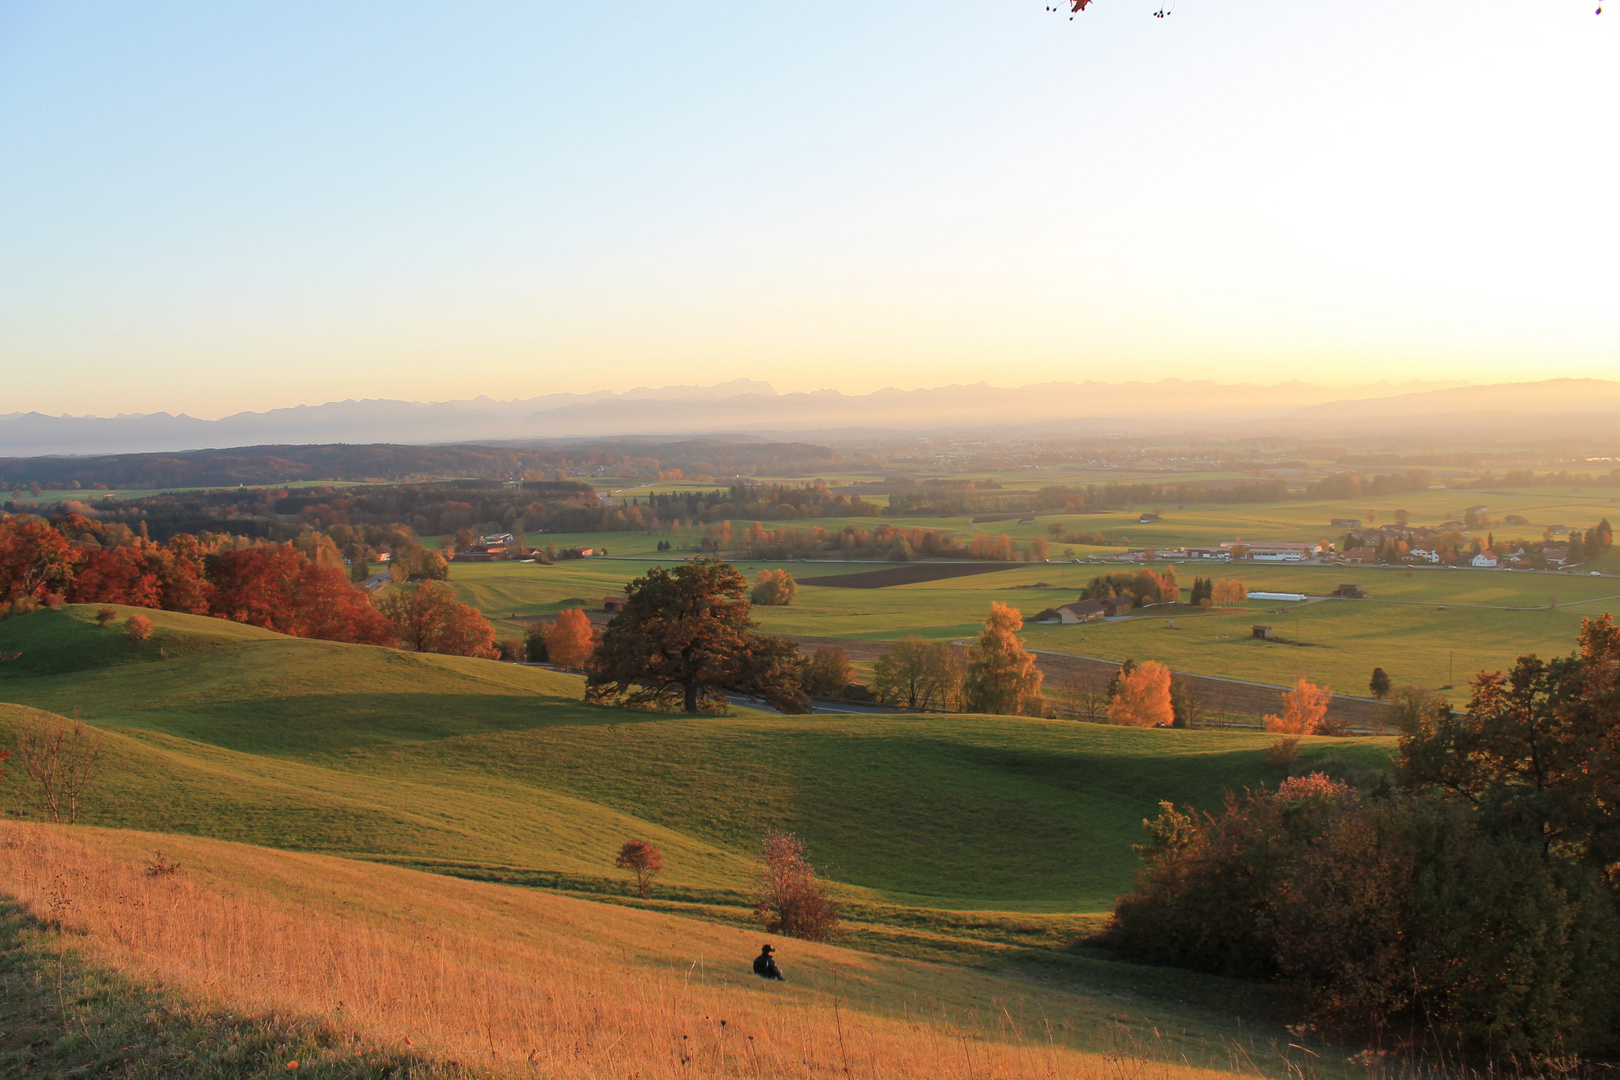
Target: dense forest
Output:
{"points": [[268, 465]]}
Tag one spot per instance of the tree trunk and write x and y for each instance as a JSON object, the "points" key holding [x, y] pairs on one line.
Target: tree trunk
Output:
{"points": [[691, 695]]}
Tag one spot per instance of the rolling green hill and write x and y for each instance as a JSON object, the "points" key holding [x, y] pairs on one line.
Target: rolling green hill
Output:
{"points": [[221, 730]]}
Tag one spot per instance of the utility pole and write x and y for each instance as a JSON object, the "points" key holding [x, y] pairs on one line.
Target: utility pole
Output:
{"points": [[1451, 660]]}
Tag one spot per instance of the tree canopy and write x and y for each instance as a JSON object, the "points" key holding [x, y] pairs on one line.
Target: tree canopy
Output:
{"points": [[685, 636]]}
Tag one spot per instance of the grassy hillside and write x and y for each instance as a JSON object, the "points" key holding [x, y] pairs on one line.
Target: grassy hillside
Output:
{"points": [[273, 963], [251, 736]]}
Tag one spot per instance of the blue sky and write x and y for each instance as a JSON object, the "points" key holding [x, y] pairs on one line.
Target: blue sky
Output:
{"points": [[218, 207]]}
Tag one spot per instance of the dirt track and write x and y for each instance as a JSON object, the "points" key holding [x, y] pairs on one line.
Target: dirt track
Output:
{"points": [[1216, 695]]}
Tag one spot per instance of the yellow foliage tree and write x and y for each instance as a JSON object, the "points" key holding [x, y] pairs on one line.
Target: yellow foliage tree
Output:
{"points": [[1002, 677], [1229, 591], [1143, 699], [1304, 710], [571, 639]]}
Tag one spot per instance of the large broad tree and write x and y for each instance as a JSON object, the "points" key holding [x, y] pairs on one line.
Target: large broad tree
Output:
{"points": [[1538, 750], [685, 635]]}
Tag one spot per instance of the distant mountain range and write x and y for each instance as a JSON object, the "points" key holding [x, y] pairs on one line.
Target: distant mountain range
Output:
{"points": [[749, 407]]}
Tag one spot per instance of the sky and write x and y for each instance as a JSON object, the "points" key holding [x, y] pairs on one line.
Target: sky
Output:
{"points": [[209, 207]]}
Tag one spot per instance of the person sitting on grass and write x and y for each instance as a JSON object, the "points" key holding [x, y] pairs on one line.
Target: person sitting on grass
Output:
{"points": [[765, 965]]}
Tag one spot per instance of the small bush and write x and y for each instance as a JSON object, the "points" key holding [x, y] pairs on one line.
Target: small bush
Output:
{"points": [[138, 627], [1282, 754], [105, 615], [789, 900]]}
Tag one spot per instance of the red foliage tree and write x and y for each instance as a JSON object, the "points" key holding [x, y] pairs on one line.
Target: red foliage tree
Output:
{"points": [[276, 587], [122, 575], [35, 559]]}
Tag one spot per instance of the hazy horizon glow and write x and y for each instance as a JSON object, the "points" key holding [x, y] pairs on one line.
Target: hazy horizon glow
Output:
{"points": [[213, 209]]}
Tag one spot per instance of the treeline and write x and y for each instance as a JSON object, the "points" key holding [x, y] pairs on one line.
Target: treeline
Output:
{"points": [[775, 501], [301, 589], [882, 542], [1471, 906], [1351, 485], [268, 465], [945, 501]]}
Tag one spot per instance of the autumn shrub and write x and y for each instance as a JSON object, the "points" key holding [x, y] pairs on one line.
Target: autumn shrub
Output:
{"points": [[1386, 916], [138, 627], [788, 897], [1283, 753]]}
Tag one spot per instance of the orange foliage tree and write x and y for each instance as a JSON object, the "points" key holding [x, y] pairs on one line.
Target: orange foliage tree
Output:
{"points": [[1143, 698], [1229, 591], [1304, 711], [1001, 676], [429, 618], [571, 639]]}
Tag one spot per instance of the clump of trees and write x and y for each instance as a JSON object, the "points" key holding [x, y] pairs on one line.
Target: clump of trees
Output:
{"points": [[919, 674], [1145, 586], [1001, 675], [429, 618], [644, 862], [1227, 592], [684, 638], [828, 672], [1474, 906], [774, 588], [788, 897]]}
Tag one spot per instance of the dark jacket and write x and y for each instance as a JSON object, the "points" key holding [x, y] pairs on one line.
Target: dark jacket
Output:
{"points": [[765, 967]]}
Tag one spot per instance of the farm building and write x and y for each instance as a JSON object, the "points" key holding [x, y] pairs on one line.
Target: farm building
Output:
{"points": [[1353, 592], [1261, 632], [1485, 560], [489, 548], [1116, 605], [1082, 611], [611, 604], [1346, 523], [1208, 554], [1293, 596], [1148, 519]]}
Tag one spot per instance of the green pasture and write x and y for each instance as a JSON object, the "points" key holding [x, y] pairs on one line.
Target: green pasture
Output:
{"points": [[1400, 627], [221, 730]]}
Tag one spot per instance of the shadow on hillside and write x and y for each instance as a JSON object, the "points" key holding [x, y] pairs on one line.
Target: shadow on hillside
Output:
{"points": [[301, 725]]}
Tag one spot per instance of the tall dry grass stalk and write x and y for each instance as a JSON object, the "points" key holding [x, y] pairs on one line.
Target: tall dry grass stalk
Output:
{"points": [[452, 969]]}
